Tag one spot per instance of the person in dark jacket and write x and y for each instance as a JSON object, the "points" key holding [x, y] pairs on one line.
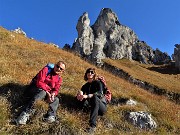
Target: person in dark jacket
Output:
{"points": [[91, 94], [44, 86]]}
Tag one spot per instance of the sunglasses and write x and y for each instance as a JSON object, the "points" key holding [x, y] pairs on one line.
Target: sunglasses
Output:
{"points": [[92, 72], [59, 67]]}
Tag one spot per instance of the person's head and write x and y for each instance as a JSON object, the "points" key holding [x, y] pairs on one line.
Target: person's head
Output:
{"points": [[59, 67], [90, 74]]}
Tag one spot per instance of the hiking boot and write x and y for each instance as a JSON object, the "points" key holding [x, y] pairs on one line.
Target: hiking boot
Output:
{"points": [[22, 119], [50, 119], [91, 130]]}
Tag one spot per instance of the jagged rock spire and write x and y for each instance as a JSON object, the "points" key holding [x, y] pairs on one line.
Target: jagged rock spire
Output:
{"points": [[109, 38], [84, 43]]}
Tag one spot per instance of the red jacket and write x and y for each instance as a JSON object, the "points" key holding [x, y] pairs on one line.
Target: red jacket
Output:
{"points": [[51, 82]]}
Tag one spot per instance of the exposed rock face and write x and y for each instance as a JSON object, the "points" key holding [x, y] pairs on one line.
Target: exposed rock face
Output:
{"points": [[176, 56], [84, 43], [67, 47], [108, 38], [19, 31], [145, 54], [112, 39], [141, 119], [160, 57], [131, 102], [142, 52]]}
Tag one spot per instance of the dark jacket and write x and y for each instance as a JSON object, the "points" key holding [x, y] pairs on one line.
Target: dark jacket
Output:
{"points": [[95, 87]]}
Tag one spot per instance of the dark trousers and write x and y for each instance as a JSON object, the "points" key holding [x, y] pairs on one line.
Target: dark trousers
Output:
{"points": [[38, 94], [95, 106]]}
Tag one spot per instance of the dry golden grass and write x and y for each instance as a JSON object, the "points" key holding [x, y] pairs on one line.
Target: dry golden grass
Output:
{"points": [[162, 76], [21, 58]]}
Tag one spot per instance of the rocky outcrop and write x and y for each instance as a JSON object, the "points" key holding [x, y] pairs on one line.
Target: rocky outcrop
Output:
{"points": [[160, 57], [53, 45], [141, 119], [108, 38], [142, 52], [145, 54], [19, 31], [67, 47], [176, 56], [112, 39], [84, 43]]}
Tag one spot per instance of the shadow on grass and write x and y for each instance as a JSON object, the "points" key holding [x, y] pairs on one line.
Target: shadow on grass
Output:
{"points": [[118, 101], [70, 102], [14, 93], [165, 70], [18, 99]]}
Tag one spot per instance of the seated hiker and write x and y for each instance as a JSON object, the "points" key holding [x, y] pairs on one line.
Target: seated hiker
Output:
{"points": [[92, 94], [45, 85]]}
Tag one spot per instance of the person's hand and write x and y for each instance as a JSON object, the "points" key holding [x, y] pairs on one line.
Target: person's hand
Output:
{"points": [[48, 94], [50, 97], [80, 95], [89, 95]]}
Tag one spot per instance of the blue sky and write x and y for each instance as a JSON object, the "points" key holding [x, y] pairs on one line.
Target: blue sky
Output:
{"points": [[157, 22]]}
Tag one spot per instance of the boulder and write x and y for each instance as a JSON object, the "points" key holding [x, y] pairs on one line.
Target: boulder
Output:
{"points": [[141, 119]]}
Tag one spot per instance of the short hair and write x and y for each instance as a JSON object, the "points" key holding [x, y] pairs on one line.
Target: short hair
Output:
{"points": [[61, 62], [89, 69]]}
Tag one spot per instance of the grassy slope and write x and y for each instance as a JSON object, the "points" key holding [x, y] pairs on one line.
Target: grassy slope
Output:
{"points": [[162, 76], [22, 58]]}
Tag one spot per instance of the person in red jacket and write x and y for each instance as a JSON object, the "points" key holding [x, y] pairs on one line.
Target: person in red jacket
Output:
{"points": [[45, 85]]}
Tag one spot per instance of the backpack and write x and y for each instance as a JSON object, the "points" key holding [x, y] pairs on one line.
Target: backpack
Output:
{"points": [[106, 91], [50, 67]]}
